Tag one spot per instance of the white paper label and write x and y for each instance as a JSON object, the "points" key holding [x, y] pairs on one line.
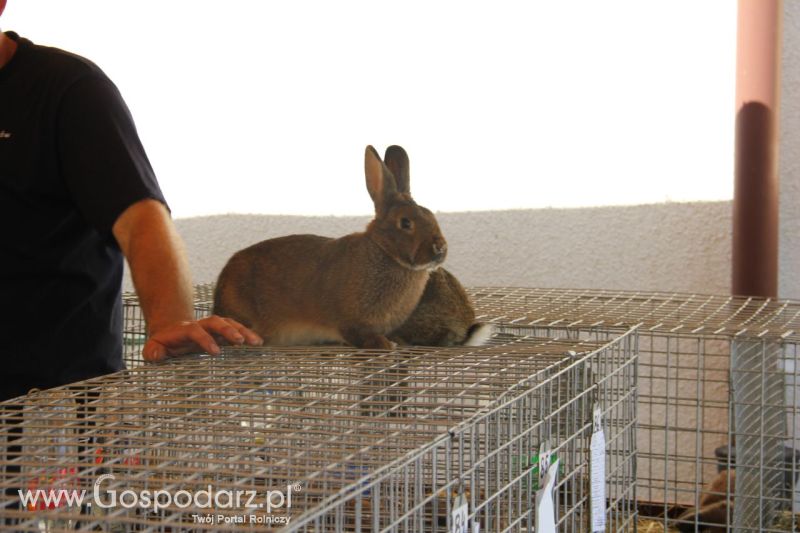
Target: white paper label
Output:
{"points": [[597, 474], [459, 516], [545, 510]]}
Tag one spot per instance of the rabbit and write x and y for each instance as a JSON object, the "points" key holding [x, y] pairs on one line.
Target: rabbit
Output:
{"points": [[307, 289], [443, 317], [716, 508]]}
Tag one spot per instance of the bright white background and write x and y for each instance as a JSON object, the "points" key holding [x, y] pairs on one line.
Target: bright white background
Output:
{"points": [[265, 107]]}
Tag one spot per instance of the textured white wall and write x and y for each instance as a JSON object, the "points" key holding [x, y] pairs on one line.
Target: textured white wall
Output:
{"points": [[668, 247], [789, 163]]}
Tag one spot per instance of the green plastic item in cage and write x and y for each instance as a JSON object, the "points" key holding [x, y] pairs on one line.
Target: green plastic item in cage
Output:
{"points": [[531, 465]]}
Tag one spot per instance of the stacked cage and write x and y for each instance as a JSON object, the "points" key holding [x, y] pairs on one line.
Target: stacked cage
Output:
{"points": [[331, 439], [718, 399]]}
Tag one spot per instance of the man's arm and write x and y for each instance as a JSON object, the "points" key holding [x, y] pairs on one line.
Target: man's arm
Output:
{"points": [[160, 273]]}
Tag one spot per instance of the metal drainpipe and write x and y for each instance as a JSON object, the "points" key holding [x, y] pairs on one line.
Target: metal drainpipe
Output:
{"points": [[755, 199]]}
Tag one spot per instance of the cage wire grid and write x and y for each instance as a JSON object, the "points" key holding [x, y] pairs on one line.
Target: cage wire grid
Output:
{"points": [[717, 394], [687, 408], [378, 441]]}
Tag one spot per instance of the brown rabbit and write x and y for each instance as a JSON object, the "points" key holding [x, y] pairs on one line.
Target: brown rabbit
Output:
{"points": [[716, 506], [307, 289], [443, 317]]}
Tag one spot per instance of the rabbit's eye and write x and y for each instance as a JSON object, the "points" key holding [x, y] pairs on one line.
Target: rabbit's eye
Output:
{"points": [[405, 223]]}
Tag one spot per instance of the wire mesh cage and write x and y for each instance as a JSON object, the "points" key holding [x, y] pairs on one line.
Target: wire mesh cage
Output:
{"points": [[330, 439], [717, 376], [718, 394]]}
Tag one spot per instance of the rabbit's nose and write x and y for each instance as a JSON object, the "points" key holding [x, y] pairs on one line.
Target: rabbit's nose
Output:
{"points": [[439, 249]]}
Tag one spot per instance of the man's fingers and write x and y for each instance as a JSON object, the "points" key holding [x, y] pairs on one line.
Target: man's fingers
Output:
{"points": [[178, 340], [187, 337], [250, 336], [231, 330], [203, 339], [153, 351], [220, 326]]}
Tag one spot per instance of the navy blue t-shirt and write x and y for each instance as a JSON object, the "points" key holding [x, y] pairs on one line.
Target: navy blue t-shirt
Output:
{"points": [[70, 163]]}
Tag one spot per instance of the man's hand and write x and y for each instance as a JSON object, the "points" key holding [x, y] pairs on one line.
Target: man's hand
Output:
{"points": [[197, 336], [160, 273]]}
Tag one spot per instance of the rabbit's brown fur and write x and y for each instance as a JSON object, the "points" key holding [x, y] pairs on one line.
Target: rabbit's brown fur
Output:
{"points": [[443, 317], [716, 507], [307, 289]]}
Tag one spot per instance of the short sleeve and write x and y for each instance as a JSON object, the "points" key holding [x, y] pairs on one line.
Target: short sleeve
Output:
{"points": [[103, 162]]}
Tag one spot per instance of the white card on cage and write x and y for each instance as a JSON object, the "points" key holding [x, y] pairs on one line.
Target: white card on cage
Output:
{"points": [[459, 516], [597, 472], [545, 509]]}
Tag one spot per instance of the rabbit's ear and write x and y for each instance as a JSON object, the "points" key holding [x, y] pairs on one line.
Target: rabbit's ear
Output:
{"points": [[396, 160], [380, 183]]}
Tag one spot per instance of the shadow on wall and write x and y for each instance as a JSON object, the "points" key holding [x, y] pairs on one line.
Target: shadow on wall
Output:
{"points": [[682, 247]]}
